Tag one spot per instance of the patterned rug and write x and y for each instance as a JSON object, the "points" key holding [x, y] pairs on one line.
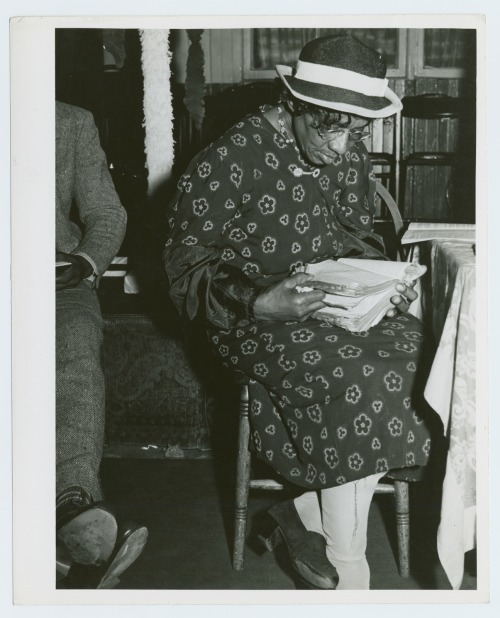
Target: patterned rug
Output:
{"points": [[154, 397]]}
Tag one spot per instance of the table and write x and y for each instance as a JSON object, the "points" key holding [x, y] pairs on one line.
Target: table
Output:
{"points": [[451, 392]]}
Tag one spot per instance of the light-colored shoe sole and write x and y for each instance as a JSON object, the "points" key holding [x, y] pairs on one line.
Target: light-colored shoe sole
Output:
{"points": [[90, 537], [126, 555]]}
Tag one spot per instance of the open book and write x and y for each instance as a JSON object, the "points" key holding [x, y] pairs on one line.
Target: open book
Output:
{"points": [[418, 232], [359, 291]]}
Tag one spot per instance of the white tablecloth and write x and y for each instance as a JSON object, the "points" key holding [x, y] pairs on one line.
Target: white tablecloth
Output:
{"points": [[451, 391]]}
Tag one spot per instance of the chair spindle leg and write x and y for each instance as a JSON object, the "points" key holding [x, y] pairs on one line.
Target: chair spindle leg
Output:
{"points": [[401, 495], [242, 483]]}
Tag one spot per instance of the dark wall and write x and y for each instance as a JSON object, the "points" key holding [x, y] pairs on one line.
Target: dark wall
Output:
{"points": [[115, 97]]}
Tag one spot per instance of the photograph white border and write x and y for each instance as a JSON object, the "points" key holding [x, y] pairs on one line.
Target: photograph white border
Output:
{"points": [[32, 88]]}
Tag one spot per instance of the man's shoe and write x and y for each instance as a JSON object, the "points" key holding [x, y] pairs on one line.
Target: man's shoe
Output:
{"points": [[88, 532], [129, 545], [131, 541], [307, 549]]}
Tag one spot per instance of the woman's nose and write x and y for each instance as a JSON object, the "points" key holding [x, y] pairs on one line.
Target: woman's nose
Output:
{"points": [[339, 143]]}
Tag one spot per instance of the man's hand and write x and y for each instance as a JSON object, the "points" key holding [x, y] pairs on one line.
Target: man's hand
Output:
{"points": [[71, 276], [282, 302], [403, 300]]}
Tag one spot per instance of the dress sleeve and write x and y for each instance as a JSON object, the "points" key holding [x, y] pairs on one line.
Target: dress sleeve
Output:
{"points": [[356, 207], [202, 286]]}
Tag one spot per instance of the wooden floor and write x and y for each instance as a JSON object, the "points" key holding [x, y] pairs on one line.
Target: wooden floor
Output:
{"points": [[187, 505]]}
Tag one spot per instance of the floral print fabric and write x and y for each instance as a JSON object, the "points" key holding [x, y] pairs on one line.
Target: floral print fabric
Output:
{"points": [[327, 406]]}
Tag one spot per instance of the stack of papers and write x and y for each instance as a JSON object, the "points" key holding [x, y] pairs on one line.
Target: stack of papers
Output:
{"points": [[359, 291], [418, 232]]}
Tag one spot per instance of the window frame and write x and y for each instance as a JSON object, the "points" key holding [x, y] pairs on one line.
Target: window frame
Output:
{"points": [[415, 59]]}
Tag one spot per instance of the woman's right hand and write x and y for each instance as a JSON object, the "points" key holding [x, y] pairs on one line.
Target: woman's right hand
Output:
{"points": [[282, 302]]}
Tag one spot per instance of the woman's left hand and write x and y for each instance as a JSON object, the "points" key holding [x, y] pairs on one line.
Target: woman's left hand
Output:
{"points": [[401, 301]]}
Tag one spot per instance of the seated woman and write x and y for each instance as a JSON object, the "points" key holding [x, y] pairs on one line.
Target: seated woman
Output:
{"points": [[331, 411]]}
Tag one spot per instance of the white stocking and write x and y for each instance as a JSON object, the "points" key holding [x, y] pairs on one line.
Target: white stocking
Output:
{"points": [[345, 523], [309, 511]]}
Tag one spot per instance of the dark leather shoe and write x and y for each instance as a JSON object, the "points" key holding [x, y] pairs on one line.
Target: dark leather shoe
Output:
{"points": [[88, 532], [130, 542], [307, 549]]}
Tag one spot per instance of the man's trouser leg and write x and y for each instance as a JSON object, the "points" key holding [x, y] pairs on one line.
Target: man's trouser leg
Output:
{"points": [[79, 390]]}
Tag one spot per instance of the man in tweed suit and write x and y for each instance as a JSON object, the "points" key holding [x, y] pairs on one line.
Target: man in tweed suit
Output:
{"points": [[90, 226]]}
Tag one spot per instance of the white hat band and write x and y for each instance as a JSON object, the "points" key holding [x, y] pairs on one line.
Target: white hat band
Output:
{"points": [[341, 78]]}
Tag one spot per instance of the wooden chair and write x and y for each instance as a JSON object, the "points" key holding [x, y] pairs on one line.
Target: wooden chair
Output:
{"points": [[395, 231], [422, 113], [383, 151], [391, 205], [395, 482]]}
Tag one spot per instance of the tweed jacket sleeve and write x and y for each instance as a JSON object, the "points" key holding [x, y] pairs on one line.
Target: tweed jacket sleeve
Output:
{"points": [[96, 227]]}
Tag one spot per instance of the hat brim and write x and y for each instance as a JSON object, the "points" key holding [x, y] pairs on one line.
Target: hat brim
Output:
{"points": [[340, 99]]}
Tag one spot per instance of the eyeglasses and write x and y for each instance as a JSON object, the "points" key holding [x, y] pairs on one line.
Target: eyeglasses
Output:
{"points": [[354, 135]]}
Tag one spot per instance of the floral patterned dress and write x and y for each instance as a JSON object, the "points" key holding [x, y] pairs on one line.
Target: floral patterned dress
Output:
{"points": [[327, 406]]}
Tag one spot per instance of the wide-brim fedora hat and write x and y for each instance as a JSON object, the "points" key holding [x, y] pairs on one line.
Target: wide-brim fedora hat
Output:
{"points": [[341, 73]]}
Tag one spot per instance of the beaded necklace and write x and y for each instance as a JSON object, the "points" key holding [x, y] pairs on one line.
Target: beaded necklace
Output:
{"points": [[296, 171], [284, 132]]}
